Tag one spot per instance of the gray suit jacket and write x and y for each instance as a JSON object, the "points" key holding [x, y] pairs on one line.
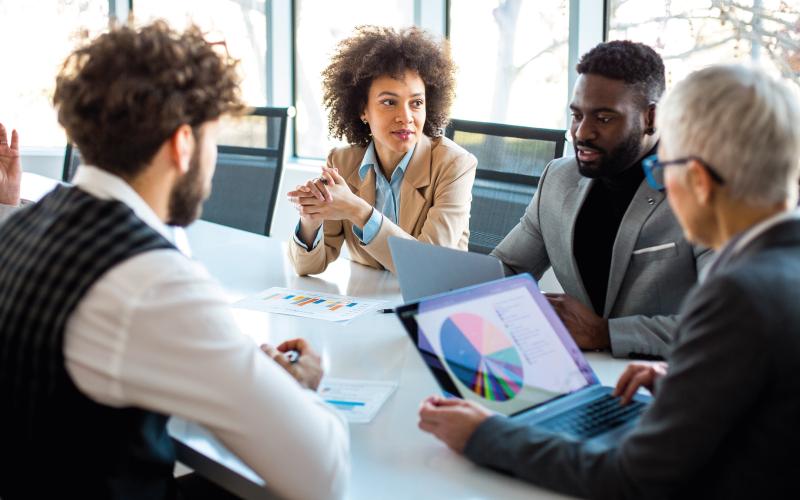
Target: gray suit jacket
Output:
{"points": [[724, 420], [652, 266]]}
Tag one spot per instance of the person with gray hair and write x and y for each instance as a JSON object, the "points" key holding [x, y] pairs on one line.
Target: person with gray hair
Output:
{"points": [[750, 139], [722, 423]]}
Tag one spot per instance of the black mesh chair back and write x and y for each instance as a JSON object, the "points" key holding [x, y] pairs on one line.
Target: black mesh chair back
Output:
{"points": [[510, 161], [249, 168], [72, 159]]}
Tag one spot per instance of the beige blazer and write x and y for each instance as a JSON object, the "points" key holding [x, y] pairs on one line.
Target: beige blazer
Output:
{"points": [[435, 199]]}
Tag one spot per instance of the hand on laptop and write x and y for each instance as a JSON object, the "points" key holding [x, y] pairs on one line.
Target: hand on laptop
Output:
{"points": [[452, 421], [589, 330], [638, 375], [10, 169], [306, 369]]}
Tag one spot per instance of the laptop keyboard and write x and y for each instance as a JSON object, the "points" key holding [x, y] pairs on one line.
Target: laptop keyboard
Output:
{"points": [[593, 418]]}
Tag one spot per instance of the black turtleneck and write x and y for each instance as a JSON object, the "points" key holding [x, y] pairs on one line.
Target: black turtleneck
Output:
{"points": [[597, 226]]}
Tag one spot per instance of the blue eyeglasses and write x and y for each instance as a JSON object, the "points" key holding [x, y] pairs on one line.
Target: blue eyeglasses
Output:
{"points": [[654, 170]]}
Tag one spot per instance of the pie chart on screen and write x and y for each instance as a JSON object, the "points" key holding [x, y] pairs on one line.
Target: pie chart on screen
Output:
{"points": [[481, 356]]}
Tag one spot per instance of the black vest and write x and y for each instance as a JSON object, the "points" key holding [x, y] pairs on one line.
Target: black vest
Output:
{"points": [[54, 441]]}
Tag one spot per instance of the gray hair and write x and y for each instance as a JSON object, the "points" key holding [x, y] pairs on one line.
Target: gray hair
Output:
{"points": [[743, 123]]}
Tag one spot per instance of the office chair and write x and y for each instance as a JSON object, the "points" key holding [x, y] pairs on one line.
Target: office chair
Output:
{"points": [[72, 160], [247, 178], [510, 161]]}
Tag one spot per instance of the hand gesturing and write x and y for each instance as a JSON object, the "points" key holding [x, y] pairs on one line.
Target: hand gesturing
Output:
{"points": [[10, 169]]}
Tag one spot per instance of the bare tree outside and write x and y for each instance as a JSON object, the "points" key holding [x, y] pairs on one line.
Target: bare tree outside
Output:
{"points": [[693, 34], [520, 44], [36, 37], [320, 25], [506, 15], [689, 34], [512, 54], [242, 25]]}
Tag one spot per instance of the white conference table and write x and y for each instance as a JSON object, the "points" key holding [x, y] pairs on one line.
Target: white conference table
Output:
{"points": [[391, 457]]}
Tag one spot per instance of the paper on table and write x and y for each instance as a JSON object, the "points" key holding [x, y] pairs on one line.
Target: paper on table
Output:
{"points": [[325, 306], [358, 400]]}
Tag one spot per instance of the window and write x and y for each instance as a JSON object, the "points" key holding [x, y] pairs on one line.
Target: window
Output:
{"points": [[36, 38], [512, 57], [320, 24], [242, 24], [691, 34]]}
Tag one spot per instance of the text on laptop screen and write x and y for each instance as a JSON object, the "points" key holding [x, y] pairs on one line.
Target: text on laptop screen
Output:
{"points": [[502, 345]]}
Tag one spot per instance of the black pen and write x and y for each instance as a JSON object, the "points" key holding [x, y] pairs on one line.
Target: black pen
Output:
{"points": [[386, 311]]}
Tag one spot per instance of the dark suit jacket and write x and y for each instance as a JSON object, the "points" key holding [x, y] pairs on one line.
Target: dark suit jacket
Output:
{"points": [[653, 267], [724, 422]]}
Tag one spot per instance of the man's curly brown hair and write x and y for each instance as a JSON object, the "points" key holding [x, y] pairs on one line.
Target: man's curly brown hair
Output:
{"points": [[125, 93], [378, 51]]}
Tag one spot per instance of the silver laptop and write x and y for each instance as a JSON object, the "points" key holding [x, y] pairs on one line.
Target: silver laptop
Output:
{"points": [[424, 269], [501, 344]]}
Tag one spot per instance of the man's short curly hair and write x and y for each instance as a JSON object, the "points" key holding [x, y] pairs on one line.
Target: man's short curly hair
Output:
{"points": [[636, 64], [378, 51], [126, 92]]}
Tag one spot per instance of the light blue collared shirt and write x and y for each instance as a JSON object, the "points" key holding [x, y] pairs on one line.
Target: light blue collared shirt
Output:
{"points": [[387, 197]]}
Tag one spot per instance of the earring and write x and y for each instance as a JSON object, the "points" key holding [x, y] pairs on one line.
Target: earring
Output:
{"points": [[364, 121], [650, 131]]}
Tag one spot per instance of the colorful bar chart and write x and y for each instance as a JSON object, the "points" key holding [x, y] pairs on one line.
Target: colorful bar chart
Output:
{"points": [[303, 300], [309, 304]]}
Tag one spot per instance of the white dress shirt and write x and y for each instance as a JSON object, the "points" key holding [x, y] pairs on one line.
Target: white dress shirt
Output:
{"points": [[738, 242], [6, 210], [156, 332]]}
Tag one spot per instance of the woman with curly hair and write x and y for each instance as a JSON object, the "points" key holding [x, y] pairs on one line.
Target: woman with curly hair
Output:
{"points": [[388, 93]]}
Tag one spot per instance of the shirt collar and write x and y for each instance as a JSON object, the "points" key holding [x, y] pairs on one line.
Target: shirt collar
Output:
{"points": [[371, 160], [107, 186], [737, 243], [753, 232]]}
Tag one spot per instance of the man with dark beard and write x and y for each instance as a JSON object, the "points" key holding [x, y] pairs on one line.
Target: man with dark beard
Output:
{"points": [[612, 241], [723, 420], [106, 329]]}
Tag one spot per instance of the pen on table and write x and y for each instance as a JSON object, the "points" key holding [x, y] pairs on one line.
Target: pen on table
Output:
{"points": [[386, 311]]}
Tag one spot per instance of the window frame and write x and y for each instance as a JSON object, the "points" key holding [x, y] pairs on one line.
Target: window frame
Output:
{"points": [[588, 26]]}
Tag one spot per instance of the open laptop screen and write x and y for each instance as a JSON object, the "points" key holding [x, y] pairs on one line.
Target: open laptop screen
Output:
{"points": [[499, 343]]}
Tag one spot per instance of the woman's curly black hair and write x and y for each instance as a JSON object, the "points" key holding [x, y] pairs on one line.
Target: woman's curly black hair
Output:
{"points": [[375, 51]]}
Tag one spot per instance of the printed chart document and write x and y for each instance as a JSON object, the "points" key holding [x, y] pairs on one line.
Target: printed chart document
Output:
{"points": [[358, 400], [315, 305]]}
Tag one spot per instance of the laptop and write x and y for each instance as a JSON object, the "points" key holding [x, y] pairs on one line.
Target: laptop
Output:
{"points": [[424, 269], [502, 345]]}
